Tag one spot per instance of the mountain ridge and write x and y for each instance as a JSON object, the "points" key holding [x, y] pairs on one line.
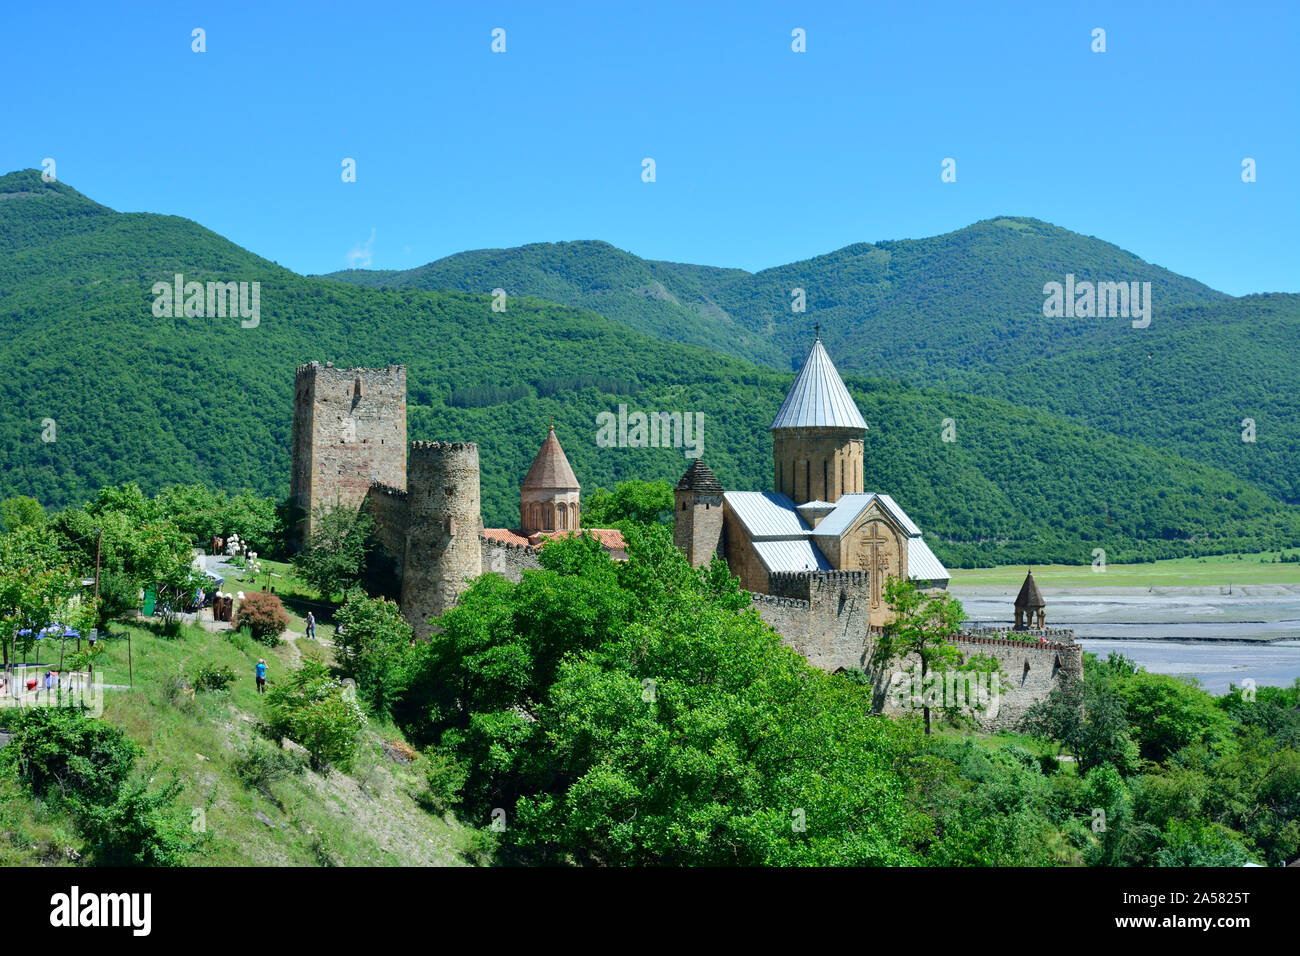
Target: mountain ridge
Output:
{"points": [[158, 400]]}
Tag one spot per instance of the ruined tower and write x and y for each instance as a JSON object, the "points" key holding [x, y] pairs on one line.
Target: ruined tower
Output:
{"points": [[697, 514], [548, 498], [442, 536], [817, 435], [349, 430]]}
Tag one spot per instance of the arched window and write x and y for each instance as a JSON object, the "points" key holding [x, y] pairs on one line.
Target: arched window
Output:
{"points": [[563, 516], [548, 516], [573, 513], [537, 516]]}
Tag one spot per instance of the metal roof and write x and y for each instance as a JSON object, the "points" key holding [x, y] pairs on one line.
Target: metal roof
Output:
{"points": [[922, 565], [801, 555], [849, 507], [766, 514], [818, 398]]}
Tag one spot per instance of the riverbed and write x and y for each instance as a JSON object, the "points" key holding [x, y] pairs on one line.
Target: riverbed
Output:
{"points": [[1219, 636]]}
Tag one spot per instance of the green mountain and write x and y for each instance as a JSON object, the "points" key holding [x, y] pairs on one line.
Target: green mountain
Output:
{"points": [[964, 312], [131, 396]]}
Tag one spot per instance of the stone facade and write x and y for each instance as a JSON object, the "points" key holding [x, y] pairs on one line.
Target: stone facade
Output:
{"points": [[349, 431], [816, 464], [387, 507]]}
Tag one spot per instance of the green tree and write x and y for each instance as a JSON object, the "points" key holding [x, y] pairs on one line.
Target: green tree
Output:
{"points": [[335, 555], [921, 624], [36, 587], [642, 502], [1166, 715], [1088, 718], [319, 712], [372, 646], [21, 511]]}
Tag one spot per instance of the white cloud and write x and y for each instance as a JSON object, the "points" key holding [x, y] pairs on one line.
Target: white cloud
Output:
{"points": [[359, 255]]}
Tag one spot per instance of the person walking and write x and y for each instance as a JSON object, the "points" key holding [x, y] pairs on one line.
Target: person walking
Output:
{"points": [[311, 626], [261, 675]]}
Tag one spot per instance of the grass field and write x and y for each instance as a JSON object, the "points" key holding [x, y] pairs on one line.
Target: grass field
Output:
{"points": [[1220, 570]]}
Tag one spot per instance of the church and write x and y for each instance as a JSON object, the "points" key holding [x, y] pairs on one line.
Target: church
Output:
{"points": [[817, 517]]}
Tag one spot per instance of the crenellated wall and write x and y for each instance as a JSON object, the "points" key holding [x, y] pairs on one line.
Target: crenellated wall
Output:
{"points": [[508, 560], [825, 616]]}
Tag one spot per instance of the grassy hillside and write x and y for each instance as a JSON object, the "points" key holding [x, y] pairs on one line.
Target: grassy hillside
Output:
{"points": [[963, 312], [189, 399], [371, 816]]}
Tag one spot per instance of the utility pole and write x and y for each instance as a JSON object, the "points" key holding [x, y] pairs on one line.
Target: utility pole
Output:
{"points": [[99, 540]]}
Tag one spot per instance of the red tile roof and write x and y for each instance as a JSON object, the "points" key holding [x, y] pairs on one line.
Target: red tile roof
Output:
{"points": [[610, 538]]}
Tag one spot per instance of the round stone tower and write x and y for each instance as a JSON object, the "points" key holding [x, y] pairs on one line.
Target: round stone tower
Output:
{"points": [[442, 540]]}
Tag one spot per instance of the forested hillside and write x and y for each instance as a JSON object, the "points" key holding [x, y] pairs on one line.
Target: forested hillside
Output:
{"points": [[963, 312], [128, 396]]}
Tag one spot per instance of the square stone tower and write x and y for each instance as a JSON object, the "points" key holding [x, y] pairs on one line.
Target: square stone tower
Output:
{"points": [[349, 430]]}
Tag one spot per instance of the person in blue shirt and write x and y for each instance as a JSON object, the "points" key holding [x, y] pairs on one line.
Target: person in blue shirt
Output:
{"points": [[261, 676]]}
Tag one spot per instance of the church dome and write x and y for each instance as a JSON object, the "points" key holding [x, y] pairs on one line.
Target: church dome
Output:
{"points": [[551, 470], [818, 398]]}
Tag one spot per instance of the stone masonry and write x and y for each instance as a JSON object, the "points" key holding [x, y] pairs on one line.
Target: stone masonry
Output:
{"points": [[349, 431]]}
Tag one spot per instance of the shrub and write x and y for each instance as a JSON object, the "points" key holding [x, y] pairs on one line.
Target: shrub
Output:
{"points": [[214, 677], [264, 616], [260, 764], [316, 710], [444, 779], [141, 828], [63, 755]]}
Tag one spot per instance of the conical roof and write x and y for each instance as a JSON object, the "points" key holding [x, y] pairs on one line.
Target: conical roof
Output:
{"points": [[700, 477], [1030, 597], [551, 470], [818, 398]]}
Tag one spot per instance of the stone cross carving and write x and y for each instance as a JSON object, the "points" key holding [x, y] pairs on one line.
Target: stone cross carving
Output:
{"points": [[878, 565]]}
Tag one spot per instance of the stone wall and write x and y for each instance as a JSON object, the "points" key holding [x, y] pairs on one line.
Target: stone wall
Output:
{"points": [[836, 632], [825, 616], [508, 560], [387, 507], [349, 432]]}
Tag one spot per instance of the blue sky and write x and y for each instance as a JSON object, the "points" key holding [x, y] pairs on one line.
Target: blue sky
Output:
{"points": [[763, 156]]}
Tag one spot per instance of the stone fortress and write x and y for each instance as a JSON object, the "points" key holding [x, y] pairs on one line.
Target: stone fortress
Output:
{"points": [[814, 552], [428, 541]]}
